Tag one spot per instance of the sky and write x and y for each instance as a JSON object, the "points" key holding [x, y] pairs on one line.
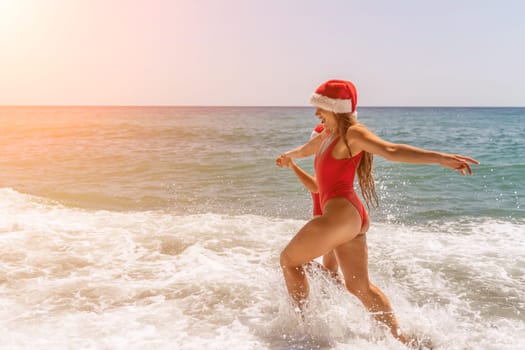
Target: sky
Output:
{"points": [[261, 52]]}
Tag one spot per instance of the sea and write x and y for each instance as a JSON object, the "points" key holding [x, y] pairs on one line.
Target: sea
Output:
{"points": [[161, 228]]}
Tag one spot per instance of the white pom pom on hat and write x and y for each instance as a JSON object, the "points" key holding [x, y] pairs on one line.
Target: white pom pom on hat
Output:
{"points": [[338, 96]]}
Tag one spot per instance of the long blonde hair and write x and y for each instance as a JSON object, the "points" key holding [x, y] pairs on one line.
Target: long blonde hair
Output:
{"points": [[364, 169]]}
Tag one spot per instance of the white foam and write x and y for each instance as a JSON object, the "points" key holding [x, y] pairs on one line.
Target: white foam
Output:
{"points": [[72, 278]]}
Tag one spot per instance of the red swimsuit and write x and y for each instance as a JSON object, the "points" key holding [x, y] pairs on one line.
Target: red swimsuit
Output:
{"points": [[335, 178], [316, 205]]}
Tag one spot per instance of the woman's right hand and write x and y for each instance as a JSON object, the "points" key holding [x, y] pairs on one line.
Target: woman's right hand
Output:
{"points": [[283, 161]]}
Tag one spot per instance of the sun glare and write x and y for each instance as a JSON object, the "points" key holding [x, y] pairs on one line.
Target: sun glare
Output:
{"points": [[10, 12], [6, 7]]}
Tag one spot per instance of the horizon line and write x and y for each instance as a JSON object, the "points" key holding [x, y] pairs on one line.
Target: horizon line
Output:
{"points": [[246, 106]]}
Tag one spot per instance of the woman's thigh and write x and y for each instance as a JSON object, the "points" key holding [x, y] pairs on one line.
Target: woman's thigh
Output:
{"points": [[353, 262], [339, 224]]}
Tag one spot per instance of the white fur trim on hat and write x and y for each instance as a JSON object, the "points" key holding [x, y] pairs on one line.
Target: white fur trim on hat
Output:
{"points": [[335, 105]]}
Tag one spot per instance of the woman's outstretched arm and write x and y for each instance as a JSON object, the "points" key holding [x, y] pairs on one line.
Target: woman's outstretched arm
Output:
{"points": [[306, 179], [363, 139], [305, 150]]}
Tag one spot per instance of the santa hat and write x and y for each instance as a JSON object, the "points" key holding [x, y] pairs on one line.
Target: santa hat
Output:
{"points": [[338, 96], [317, 130]]}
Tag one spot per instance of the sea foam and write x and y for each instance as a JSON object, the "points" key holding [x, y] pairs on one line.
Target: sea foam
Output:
{"points": [[78, 278]]}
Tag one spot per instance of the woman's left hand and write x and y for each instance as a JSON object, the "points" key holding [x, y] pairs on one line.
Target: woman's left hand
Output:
{"points": [[458, 162]]}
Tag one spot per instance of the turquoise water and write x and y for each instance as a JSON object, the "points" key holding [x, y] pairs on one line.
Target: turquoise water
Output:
{"points": [[198, 160], [144, 227], [495, 137]]}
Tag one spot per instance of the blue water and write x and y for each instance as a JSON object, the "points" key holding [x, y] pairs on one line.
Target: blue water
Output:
{"points": [[222, 159], [493, 136]]}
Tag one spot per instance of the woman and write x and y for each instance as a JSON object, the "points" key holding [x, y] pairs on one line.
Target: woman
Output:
{"points": [[345, 148], [329, 260]]}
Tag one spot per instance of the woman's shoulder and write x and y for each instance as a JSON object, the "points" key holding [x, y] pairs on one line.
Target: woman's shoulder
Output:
{"points": [[356, 130]]}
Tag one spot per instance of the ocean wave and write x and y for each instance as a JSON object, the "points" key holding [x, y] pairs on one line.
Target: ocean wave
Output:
{"points": [[73, 277]]}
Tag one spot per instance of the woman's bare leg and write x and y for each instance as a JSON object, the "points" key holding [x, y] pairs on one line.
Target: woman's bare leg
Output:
{"points": [[353, 259], [338, 225], [330, 262]]}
